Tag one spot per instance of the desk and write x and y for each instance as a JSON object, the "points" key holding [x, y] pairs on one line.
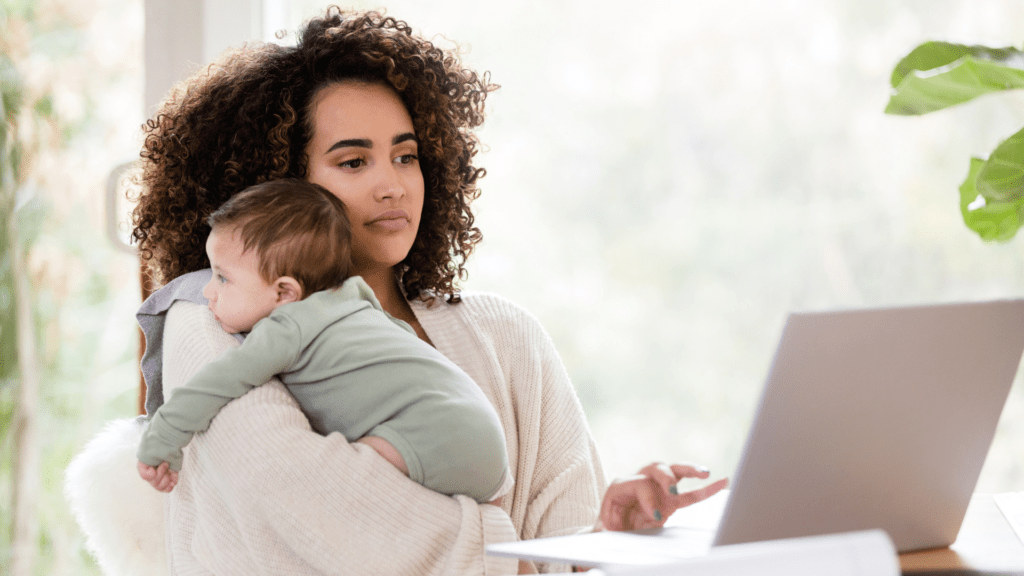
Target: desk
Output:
{"points": [[990, 542], [986, 542]]}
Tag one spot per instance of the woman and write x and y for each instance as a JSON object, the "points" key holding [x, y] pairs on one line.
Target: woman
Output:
{"points": [[382, 119]]}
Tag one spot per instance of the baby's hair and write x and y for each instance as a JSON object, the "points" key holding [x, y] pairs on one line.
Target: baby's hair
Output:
{"points": [[297, 228]]}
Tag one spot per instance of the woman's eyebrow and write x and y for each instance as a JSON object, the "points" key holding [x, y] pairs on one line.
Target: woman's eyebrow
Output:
{"points": [[357, 142], [367, 143], [403, 137]]}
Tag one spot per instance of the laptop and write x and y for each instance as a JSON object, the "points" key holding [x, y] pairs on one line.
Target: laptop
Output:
{"points": [[878, 418]]}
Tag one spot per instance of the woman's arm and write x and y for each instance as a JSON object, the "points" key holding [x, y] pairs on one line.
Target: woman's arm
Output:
{"points": [[271, 348], [260, 492], [568, 477], [559, 479], [568, 470]]}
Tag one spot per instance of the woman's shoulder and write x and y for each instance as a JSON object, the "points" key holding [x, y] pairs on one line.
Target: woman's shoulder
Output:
{"points": [[484, 309], [193, 331], [191, 338], [485, 317], [187, 288]]}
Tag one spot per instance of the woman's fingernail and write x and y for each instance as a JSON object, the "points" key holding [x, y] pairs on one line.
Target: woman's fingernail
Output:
{"points": [[657, 515], [673, 490]]}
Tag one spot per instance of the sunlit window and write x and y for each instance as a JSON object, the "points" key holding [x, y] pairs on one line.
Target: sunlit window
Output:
{"points": [[666, 181]]}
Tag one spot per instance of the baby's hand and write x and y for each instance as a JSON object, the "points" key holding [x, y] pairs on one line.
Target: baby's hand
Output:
{"points": [[162, 477]]}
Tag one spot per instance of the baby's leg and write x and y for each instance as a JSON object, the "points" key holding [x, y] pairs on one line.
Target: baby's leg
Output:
{"points": [[388, 452], [385, 449]]}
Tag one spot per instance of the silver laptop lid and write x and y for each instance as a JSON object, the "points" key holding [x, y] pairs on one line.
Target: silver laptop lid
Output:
{"points": [[876, 419]]}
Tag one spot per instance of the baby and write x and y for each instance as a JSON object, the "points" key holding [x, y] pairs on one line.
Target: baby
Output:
{"points": [[280, 254]]}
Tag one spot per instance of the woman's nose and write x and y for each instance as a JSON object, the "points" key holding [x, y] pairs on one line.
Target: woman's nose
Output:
{"points": [[389, 187]]}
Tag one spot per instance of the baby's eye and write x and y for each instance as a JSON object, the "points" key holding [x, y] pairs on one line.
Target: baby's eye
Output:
{"points": [[221, 279], [353, 163]]}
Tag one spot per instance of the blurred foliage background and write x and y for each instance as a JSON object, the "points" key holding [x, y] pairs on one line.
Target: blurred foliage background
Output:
{"points": [[71, 76], [665, 183]]}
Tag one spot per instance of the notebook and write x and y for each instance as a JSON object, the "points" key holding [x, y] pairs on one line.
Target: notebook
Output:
{"points": [[878, 418]]}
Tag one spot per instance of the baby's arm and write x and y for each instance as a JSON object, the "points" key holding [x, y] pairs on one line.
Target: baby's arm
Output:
{"points": [[267, 351], [311, 499]]}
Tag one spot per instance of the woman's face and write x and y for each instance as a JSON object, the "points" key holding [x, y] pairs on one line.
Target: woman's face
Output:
{"points": [[364, 151]]}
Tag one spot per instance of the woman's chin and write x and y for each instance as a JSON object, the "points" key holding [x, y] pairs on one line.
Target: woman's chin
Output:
{"points": [[383, 249], [382, 260]]}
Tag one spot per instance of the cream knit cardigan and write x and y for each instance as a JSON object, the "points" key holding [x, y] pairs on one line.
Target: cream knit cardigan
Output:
{"points": [[260, 493]]}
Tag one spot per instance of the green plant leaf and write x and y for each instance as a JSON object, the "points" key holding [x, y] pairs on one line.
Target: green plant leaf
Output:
{"points": [[993, 220], [1001, 179], [936, 75]]}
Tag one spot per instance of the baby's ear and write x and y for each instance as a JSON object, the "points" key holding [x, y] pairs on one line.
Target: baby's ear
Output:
{"points": [[288, 290]]}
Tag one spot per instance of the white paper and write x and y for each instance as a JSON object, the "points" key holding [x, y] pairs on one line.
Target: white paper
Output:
{"points": [[1011, 504], [864, 553]]}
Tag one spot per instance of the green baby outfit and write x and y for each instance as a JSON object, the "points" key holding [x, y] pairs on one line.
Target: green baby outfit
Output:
{"points": [[356, 370]]}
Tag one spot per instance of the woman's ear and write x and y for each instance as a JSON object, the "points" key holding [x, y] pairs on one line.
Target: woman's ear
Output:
{"points": [[288, 290]]}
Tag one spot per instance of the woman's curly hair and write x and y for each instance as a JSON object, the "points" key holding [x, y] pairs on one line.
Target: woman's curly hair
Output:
{"points": [[246, 119]]}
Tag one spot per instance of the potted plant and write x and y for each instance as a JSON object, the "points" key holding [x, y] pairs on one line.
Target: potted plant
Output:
{"points": [[936, 75]]}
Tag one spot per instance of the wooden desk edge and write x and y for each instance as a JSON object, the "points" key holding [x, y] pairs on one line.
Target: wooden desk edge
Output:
{"points": [[986, 542]]}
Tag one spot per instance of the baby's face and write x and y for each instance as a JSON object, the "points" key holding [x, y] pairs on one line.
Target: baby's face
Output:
{"points": [[238, 296]]}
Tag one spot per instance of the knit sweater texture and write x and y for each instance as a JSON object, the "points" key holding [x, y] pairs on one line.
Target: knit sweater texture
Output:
{"points": [[358, 371], [261, 493]]}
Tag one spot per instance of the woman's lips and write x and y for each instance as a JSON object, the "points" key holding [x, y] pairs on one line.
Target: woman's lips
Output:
{"points": [[392, 220]]}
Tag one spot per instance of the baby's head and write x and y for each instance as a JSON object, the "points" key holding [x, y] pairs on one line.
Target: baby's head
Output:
{"points": [[274, 243]]}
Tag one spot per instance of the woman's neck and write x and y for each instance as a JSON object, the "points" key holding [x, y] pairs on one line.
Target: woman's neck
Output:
{"points": [[385, 287]]}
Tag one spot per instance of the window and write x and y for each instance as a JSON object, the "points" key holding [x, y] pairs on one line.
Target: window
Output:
{"points": [[666, 181]]}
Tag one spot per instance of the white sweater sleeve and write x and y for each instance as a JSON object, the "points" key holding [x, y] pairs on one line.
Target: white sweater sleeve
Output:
{"points": [[261, 493], [559, 478], [555, 444]]}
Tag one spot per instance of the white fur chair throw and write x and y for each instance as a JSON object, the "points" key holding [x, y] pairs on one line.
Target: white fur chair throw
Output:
{"points": [[120, 514]]}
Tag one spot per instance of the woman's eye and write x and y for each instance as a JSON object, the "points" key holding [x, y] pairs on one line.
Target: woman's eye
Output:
{"points": [[407, 158], [353, 163]]}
